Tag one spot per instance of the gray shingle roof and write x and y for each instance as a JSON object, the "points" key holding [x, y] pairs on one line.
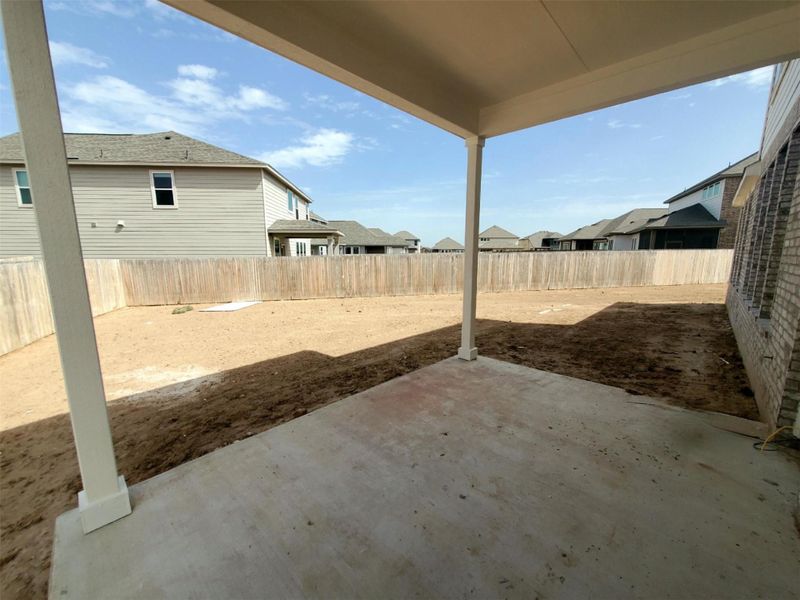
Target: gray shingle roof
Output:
{"points": [[589, 232], [692, 217], [314, 216], [497, 232], [358, 235], [164, 148], [535, 239], [406, 235], [447, 244], [633, 221], [301, 226], [733, 170]]}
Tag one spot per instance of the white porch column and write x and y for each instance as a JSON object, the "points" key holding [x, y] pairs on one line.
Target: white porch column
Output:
{"points": [[105, 496], [468, 351], [330, 246]]}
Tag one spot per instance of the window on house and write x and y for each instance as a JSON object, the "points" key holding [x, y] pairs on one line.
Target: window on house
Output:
{"points": [[164, 195], [712, 190], [277, 248], [290, 199], [301, 248], [24, 197]]}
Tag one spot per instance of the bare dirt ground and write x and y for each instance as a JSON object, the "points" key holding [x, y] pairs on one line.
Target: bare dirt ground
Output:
{"points": [[180, 386]]}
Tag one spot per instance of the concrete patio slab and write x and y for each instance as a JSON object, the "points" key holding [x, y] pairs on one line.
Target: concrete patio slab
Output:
{"points": [[463, 479]]}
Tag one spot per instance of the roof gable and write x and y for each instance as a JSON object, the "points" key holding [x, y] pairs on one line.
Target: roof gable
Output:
{"points": [[692, 217], [734, 170], [447, 243], [406, 235], [497, 232]]}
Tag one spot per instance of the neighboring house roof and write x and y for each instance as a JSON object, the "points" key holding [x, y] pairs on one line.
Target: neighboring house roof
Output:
{"points": [[447, 244], [500, 244], [302, 227], [734, 170], [162, 149], [406, 235], [166, 147], [535, 239], [497, 232], [358, 235], [633, 221], [315, 217], [588, 232], [692, 217]]}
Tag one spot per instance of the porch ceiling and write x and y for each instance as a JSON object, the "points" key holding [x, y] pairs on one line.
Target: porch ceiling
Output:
{"points": [[462, 479], [489, 68]]}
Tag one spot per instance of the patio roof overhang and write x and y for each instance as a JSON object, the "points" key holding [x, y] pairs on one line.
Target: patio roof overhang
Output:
{"points": [[487, 68], [475, 69]]}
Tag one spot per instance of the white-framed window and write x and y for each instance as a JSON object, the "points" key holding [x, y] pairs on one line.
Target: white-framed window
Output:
{"points": [[23, 188], [277, 247], [162, 186], [290, 200], [352, 249], [710, 191], [301, 249]]}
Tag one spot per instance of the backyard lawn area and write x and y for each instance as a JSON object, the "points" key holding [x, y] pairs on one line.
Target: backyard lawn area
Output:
{"points": [[182, 385]]}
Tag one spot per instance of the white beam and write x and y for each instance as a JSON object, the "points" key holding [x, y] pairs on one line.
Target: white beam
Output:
{"points": [[468, 350], [105, 496]]}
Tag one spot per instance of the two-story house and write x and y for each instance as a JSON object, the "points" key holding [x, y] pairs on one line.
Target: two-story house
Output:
{"points": [[412, 241], [163, 194], [497, 239], [702, 216]]}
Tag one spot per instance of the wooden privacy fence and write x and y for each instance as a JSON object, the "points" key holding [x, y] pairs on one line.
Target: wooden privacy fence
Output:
{"points": [[115, 283], [192, 280], [25, 306]]}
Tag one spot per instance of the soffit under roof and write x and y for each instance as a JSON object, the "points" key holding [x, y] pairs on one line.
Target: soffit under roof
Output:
{"points": [[488, 68]]}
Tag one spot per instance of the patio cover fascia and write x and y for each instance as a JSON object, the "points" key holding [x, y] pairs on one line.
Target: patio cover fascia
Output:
{"points": [[475, 69]]}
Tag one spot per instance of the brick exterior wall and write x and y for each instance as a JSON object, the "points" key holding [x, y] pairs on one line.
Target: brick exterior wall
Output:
{"points": [[764, 296], [729, 213]]}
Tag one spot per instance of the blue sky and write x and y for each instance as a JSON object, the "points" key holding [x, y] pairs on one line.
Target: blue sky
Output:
{"points": [[140, 66]]}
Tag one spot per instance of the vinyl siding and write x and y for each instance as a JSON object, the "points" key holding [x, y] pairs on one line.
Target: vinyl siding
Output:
{"points": [[624, 242], [19, 235], [220, 213], [782, 98], [712, 205]]}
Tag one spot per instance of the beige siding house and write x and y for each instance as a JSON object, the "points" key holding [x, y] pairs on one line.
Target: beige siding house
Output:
{"points": [[161, 194]]}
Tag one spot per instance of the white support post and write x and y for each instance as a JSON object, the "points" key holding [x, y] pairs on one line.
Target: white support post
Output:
{"points": [[105, 496], [468, 350]]}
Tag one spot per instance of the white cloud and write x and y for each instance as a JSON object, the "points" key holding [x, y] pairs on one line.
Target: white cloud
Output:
{"points": [[756, 79], [320, 149], [617, 124], [203, 93], [197, 71], [96, 7], [194, 105], [324, 101], [64, 53]]}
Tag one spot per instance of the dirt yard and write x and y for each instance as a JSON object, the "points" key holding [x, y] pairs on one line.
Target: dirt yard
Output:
{"points": [[180, 386]]}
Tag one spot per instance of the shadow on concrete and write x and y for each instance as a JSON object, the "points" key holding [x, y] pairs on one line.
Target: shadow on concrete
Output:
{"points": [[682, 353]]}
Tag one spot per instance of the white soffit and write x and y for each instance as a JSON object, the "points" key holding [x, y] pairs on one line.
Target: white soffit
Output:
{"points": [[489, 68]]}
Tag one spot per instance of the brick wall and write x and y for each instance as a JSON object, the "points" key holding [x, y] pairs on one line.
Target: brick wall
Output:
{"points": [[729, 213], [764, 295]]}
